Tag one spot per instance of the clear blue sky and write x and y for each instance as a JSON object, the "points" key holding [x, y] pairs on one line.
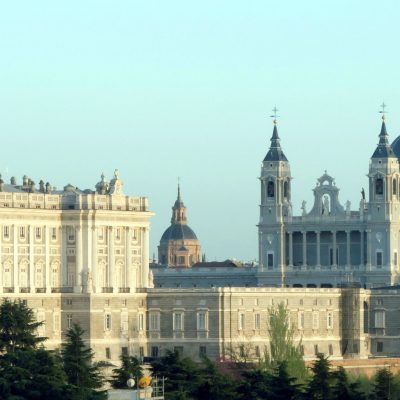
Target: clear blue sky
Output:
{"points": [[161, 89]]}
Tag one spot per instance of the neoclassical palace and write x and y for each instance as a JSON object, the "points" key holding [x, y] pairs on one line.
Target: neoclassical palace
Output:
{"points": [[330, 244], [82, 256]]}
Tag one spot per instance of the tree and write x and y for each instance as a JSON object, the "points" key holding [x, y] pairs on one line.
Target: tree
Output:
{"points": [[282, 386], [182, 375], [343, 389], [17, 327], [281, 345], [130, 368], [214, 384], [320, 386], [78, 366], [384, 385]]}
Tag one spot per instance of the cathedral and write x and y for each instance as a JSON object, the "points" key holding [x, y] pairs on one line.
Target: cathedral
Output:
{"points": [[330, 244]]}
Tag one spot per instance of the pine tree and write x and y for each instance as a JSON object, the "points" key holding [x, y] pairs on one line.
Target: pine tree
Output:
{"points": [[79, 368], [282, 386], [130, 368], [384, 386], [320, 386], [17, 327], [343, 389]]}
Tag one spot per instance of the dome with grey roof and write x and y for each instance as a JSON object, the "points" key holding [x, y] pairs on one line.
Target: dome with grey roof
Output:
{"points": [[179, 232]]}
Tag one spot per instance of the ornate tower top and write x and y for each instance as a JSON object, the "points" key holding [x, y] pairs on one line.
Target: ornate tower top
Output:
{"points": [[383, 150], [179, 210], [275, 152]]}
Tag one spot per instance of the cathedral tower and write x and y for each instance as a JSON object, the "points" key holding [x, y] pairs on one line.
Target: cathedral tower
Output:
{"points": [[275, 206]]}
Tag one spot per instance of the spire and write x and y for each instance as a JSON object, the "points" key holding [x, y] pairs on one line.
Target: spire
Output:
{"points": [[179, 209], [275, 152], [383, 150]]}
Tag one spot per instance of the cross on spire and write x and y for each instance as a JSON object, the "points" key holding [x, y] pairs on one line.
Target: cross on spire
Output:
{"points": [[275, 116], [383, 112]]}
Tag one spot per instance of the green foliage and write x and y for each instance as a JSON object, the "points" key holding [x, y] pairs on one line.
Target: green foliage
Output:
{"points": [[130, 368], [17, 327], [282, 348], [385, 387], [282, 385], [81, 373], [343, 389], [320, 385]]}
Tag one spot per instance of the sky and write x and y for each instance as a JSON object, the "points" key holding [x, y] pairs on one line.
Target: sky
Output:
{"points": [[168, 89]]}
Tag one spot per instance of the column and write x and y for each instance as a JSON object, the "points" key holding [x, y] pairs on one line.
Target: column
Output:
{"points": [[362, 248], [111, 257], [64, 259], [145, 257], [318, 234], [79, 272], [369, 248], [47, 258], [304, 248], [31, 261], [1, 259], [15, 259], [128, 259], [291, 249], [94, 275], [334, 248], [348, 245]]}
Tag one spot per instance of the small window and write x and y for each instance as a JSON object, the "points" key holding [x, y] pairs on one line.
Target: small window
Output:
{"points": [[38, 232], [330, 348], [69, 302], [270, 260], [379, 347], [201, 321], [202, 351], [108, 353], [53, 233], [118, 234], [300, 321], [257, 321], [395, 258], [329, 320], [141, 351], [154, 319], [257, 351], [154, 351], [379, 259], [6, 232], [380, 319], [22, 232], [285, 189], [124, 351], [69, 321], [241, 321], [379, 186], [178, 321], [271, 189], [394, 187], [107, 322], [316, 349], [141, 322]]}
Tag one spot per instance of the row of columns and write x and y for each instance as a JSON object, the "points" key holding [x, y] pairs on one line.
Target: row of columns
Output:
{"points": [[334, 246], [86, 263]]}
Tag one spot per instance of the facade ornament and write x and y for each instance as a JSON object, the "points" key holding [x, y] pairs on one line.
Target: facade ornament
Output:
{"points": [[303, 208], [348, 206]]}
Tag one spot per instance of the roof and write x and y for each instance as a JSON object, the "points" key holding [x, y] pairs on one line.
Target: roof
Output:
{"points": [[396, 147], [179, 232], [218, 264], [275, 152], [383, 150]]}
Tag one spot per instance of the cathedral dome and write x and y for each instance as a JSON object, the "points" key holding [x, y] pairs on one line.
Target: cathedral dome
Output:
{"points": [[179, 232], [396, 146]]}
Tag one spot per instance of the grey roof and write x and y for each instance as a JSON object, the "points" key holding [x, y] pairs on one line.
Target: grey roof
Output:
{"points": [[383, 150], [396, 147], [178, 232], [275, 152]]}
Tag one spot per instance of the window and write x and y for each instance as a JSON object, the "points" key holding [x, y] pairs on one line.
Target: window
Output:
{"points": [[379, 259], [394, 187], [107, 322], [202, 351], [177, 321], [141, 322], [154, 319], [241, 321], [38, 232], [6, 232], [379, 186], [257, 351], [69, 302], [379, 347], [118, 233], [108, 353], [316, 349], [330, 350], [380, 319], [124, 351], [257, 321], [101, 234], [201, 321], [271, 189], [69, 321], [71, 234], [124, 322], [22, 232], [329, 320], [270, 260], [53, 233], [285, 189], [154, 351], [141, 351], [300, 321], [181, 260], [315, 320]]}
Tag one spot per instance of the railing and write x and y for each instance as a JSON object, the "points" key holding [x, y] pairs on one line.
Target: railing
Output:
{"points": [[8, 290], [107, 289], [63, 289], [41, 290], [124, 290], [24, 290]]}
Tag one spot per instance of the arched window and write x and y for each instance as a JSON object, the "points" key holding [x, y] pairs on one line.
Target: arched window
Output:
{"points": [[379, 186], [394, 186], [285, 189], [271, 189]]}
